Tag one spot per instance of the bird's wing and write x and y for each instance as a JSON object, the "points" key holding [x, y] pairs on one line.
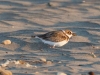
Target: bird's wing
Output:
{"points": [[55, 36]]}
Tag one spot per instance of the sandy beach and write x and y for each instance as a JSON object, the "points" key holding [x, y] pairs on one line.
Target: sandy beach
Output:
{"points": [[20, 19]]}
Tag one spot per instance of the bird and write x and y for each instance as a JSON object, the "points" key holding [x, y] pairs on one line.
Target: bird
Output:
{"points": [[56, 38]]}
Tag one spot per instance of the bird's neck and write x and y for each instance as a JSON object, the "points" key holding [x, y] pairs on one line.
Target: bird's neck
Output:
{"points": [[66, 34]]}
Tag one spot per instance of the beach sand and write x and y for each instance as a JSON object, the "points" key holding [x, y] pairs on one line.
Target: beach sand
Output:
{"points": [[19, 19]]}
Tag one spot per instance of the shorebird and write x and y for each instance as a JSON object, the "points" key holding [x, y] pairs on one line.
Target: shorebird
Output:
{"points": [[56, 38]]}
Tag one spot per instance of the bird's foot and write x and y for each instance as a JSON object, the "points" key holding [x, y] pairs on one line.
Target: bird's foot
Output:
{"points": [[52, 46]]}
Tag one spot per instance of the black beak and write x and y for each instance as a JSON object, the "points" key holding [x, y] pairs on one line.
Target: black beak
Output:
{"points": [[74, 34]]}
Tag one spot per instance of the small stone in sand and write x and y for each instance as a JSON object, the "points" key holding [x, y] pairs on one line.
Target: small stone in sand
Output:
{"points": [[49, 4], [49, 63], [83, 1], [6, 42], [91, 73], [35, 66], [95, 47], [59, 62], [28, 65], [5, 64], [53, 4], [5, 72], [43, 59], [22, 62], [36, 72], [12, 26], [93, 55], [61, 73]]}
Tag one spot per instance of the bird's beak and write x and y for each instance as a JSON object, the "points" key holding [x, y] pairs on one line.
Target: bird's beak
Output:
{"points": [[74, 34]]}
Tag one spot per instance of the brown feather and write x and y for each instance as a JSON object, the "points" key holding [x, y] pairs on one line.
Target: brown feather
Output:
{"points": [[54, 36]]}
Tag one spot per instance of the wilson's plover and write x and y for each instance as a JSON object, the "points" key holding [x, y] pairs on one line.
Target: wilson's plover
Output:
{"points": [[56, 38]]}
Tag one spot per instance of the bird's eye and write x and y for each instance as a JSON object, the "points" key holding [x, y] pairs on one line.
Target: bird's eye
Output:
{"points": [[69, 32]]}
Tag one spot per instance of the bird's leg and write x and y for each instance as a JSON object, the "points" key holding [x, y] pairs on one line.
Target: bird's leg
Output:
{"points": [[52, 46]]}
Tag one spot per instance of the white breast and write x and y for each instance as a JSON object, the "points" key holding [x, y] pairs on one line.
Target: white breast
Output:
{"points": [[58, 44]]}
